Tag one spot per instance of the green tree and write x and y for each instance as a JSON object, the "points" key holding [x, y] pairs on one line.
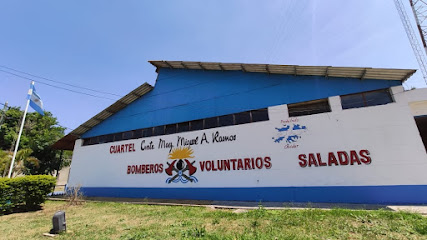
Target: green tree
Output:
{"points": [[9, 129], [24, 162], [39, 134], [5, 158]]}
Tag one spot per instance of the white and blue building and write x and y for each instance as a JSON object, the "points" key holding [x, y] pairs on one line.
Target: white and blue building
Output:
{"points": [[258, 132]]}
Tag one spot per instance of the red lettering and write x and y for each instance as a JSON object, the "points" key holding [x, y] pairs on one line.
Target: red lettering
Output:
{"points": [[303, 160], [342, 158], [342, 155], [267, 162], [226, 165], [213, 166], [312, 160], [258, 162], [208, 166], [332, 159], [111, 149], [202, 165], [253, 163], [319, 159], [354, 158], [239, 164], [144, 168], [220, 164], [234, 163], [364, 154], [248, 164]]}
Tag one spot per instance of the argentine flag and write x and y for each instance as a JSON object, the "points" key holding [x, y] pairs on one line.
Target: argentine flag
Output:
{"points": [[35, 100]]}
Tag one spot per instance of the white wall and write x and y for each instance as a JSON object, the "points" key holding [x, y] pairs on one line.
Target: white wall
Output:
{"points": [[417, 99], [388, 132]]}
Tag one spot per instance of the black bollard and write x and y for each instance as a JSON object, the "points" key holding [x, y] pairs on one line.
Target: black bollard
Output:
{"points": [[59, 223]]}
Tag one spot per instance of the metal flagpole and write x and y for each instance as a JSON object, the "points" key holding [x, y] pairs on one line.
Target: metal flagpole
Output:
{"points": [[30, 92]]}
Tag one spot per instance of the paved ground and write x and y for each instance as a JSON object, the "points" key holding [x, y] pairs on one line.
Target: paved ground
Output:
{"points": [[416, 209], [422, 209]]}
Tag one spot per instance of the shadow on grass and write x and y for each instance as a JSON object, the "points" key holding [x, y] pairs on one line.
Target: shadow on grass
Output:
{"points": [[22, 209]]}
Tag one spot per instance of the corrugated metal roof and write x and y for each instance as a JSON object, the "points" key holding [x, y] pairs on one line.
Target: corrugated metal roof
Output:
{"points": [[67, 142], [325, 71]]}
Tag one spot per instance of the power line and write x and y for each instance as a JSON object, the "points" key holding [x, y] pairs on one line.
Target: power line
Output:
{"points": [[3, 104], [47, 79], [67, 89], [65, 127]]}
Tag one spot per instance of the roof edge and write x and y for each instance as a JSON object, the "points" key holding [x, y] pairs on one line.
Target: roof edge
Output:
{"points": [[325, 71], [64, 142]]}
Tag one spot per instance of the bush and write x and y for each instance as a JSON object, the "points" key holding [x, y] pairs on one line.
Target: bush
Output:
{"points": [[27, 192], [5, 195]]}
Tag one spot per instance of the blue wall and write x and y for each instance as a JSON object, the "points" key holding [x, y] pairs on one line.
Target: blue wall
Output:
{"points": [[182, 95], [393, 194]]}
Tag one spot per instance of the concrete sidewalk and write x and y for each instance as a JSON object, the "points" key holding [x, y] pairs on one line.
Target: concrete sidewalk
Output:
{"points": [[421, 209]]}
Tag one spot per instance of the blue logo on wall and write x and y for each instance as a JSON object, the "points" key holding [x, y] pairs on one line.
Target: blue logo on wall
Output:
{"points": [[289, 134]]}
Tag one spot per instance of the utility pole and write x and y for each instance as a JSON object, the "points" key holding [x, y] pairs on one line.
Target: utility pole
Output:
{"points": [[3, 114]]}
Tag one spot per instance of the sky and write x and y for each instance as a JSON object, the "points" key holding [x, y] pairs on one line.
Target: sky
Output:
{"points": [[105, 45]]}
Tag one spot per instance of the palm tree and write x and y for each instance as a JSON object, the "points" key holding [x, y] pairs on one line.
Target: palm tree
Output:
{"points": [[23, 158]]}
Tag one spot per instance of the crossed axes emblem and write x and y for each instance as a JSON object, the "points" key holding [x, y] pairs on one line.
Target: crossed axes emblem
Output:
{"points": [[179, 167]]}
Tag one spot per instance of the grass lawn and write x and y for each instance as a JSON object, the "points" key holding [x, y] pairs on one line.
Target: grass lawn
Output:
{"points": [[108, 220]]}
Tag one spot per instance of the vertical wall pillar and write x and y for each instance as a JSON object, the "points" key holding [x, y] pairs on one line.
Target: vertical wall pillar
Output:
{"points": [[278, 112], [397, 92], [78, 143], [335, 103]]}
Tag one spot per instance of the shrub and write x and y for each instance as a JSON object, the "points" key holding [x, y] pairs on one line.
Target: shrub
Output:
{"points": [[27, 192], [5, 195]]}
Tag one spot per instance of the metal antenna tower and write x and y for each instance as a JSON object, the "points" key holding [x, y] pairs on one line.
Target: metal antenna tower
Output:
{"points": [[416, 47], [419, 7]]}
